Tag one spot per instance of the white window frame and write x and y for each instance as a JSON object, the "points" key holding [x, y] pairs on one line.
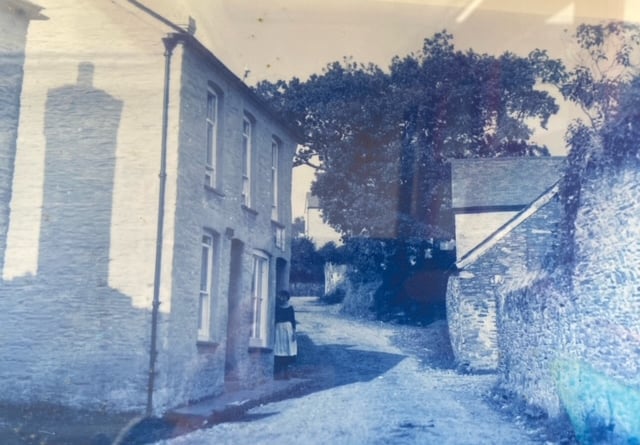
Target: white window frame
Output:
{"points": [[207, 280], [275, 159], [211, 120], [247, 148], [259, 298], [279, 235]]}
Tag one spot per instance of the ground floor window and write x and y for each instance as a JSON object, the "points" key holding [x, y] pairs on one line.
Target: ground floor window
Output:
{"points": [[207, 279], [260, 298]]}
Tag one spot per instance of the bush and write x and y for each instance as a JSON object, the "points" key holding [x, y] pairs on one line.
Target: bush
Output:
{"points": [[307, 266], [335, 296], [358, 300], [411, 278]]}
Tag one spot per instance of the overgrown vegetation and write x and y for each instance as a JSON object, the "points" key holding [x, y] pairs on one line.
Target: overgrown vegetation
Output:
{"points": [[412, 275], [606, 87], [307, 262], [382, 138], [380, 141]]}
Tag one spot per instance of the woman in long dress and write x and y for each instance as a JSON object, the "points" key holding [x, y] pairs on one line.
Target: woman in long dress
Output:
{"points": [[286, 348]]}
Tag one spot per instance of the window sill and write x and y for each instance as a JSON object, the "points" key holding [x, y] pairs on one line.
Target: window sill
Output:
{"points": [[207, 346], [249, 210], [259, 345], [214, 190], [261, 349]]}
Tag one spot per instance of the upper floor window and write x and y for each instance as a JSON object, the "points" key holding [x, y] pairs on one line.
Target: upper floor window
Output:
{"points": [[207, 285], [247, 147], [279, 237], [212, 123], [275, 155]]}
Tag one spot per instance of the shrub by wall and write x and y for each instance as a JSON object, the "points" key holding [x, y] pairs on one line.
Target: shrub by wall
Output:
{"points": [[299, 289], [359, 299]]}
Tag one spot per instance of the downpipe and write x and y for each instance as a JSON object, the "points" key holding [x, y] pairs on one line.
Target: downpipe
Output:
{"points": [[170, 43]]}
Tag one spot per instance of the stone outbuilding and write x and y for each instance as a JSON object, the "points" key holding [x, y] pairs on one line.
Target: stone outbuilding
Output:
{"points": [[506, 214], [148, 216]]}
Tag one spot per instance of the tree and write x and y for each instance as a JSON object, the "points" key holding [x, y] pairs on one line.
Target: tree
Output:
{"points": [[621, 132], [307, 266], [298, 227], [604, 84], [381, 138], [380, 141], [607, 62]]}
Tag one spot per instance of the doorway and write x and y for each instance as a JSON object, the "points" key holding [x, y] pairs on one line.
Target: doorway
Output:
{"points": [[234, 320]]}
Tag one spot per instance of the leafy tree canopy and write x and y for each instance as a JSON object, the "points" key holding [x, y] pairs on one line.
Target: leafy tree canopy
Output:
{"points": [[307, 266], [607, 62], [379, 138], [605, 84], [298, 227]]}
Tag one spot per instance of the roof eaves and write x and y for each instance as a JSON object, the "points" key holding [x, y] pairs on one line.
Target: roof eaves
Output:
{"points": [[183, 35], [157, 16], [198, 46], [478, 251], [31, 10]]}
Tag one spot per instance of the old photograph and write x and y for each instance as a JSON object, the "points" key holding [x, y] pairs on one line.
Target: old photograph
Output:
{"points": [[322, 222]]}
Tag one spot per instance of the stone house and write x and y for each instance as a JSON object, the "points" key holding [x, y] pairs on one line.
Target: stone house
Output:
{"points": [[506, 212], [15, 16], [149, 217]]}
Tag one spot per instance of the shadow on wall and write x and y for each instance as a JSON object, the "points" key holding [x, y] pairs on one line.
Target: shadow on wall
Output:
{"points": [[81, 127], [68, 337]]}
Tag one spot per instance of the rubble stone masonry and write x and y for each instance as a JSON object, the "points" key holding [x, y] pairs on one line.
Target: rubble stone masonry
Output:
{"points": [[574, 346], [472, 292]]}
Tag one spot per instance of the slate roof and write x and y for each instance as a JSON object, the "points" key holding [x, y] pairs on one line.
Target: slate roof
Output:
{"points": [[187, 38], [502, 182]]}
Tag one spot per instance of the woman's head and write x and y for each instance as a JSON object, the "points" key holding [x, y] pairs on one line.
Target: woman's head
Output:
{"points": [[283, 296]]}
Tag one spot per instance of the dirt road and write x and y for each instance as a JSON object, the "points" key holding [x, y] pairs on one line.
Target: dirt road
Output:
{"points": [[373, 383]]}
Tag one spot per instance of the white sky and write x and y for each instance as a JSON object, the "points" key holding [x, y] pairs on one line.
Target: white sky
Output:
{"points": [[285, 38], [280, 39]]}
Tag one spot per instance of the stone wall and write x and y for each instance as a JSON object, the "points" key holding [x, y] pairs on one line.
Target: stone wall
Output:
{"points": [[471, 319], [73, 345], [472, 291], [606, 276], [576, 347], [529, 334]]}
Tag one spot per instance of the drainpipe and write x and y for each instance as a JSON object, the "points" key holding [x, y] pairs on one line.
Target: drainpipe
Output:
{"points": [[170, 43]]}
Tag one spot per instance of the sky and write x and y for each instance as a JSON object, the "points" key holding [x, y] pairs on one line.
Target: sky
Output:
{"points": [[284, 38], [281, 39]]}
